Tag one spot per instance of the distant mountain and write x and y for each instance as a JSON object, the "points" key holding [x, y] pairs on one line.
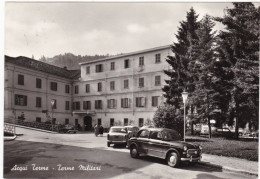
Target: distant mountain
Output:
{"points": [[70, 60]]}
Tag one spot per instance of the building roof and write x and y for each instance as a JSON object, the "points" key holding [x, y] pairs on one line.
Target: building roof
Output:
{"points": [[43, 67], [127, 54]]}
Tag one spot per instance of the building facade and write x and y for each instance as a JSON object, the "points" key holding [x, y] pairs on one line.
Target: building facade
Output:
{"points": [[121, 90], [118, 90], [30, 86]]}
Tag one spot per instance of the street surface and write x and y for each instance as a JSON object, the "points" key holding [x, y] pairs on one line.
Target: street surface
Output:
{"points": [[45, 155]]}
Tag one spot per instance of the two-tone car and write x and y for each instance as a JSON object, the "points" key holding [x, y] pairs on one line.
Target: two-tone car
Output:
{"points": [[117, 135], [165, 144]]}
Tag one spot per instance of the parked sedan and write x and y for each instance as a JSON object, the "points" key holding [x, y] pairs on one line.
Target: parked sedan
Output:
{"points": [[224, 132], [117, 135], [166, 144]]}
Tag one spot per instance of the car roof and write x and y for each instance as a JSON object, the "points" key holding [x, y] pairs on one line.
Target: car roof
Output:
{"points": [[118, 127], [130, 126]]}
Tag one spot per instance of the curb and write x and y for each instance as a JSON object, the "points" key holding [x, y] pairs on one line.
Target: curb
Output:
{"points": [[208, 164], [9, 138]]}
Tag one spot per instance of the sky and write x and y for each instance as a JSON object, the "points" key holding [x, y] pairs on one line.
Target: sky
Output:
{"points": [[87, 28]]}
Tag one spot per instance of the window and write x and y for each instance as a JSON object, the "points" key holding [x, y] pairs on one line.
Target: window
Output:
{"points": [[76, 90], [87, 88], [54, 86], [127, 63], [67, 105], [99, 121], [155, 101], [157, 58], [112, 67], [125, 121], [141, 61], [54, 104], [143, 134], [126, 84], [88, 70], [38, 119], [125, 103], [157, 80], [141, 122], [98, 104], [112, 121], [112, 85], [67, 121], [87, 105], [156, 135], [20, 100], [38, 102], [20, 80], [111, 103], [141, 82], [76, 105], [140, 102], [99, 86], [38, 83], [99, 68], [67, 89]]}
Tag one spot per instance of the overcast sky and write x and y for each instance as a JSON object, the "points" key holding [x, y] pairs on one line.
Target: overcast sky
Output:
{"points": [[51, 29]]}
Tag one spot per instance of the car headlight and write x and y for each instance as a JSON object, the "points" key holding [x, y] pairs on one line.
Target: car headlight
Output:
{"points": [[185, 148], [200, 147]]}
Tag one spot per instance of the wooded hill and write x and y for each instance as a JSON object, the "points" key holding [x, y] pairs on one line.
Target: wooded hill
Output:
{"points": [[70, 60]]}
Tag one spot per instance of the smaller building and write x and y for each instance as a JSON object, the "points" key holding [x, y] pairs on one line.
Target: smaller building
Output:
{"points": [[31, 85]]}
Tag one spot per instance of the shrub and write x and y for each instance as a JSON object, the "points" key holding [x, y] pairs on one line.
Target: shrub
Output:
{"points": [[168, 116]]}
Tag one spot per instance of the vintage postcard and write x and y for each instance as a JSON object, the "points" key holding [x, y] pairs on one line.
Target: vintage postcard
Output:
{"points": [[130, 89]]}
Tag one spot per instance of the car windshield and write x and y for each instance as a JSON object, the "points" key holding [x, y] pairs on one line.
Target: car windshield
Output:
{"points": [[171, 135], [122, 130]]}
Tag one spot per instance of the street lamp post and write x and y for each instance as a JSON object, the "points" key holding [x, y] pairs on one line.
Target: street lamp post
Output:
{"points": [[184, 97]]}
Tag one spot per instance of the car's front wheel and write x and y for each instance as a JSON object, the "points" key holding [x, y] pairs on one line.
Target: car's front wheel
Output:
{"points": [[108, 144], [173, 159], [134, 152]]}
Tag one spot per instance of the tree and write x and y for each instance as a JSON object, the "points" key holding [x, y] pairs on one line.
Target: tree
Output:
{"points": [[239, 48], [183, 49], [167, 116]]}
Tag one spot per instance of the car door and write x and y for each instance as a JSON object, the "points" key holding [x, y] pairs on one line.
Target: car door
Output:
{"points": [[155, 144], [142, 141]]}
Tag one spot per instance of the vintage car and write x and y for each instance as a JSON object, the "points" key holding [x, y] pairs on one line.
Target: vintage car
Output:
{"points": [[166, 144], [117, 135], [67, 129]]}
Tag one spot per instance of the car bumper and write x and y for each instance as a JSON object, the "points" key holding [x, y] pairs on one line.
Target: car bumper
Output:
{"points": [[192, 159], [116, 142]]}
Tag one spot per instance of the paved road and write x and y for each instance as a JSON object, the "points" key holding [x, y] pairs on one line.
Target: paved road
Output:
{"points": [[74, 155]]}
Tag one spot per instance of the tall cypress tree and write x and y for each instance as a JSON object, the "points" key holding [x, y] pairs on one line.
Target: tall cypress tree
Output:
{"points": [[239, 48], [180, 77]]}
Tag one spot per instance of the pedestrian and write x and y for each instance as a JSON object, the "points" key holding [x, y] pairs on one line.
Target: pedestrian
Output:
{"points": [[101, 130], [96, 130]]}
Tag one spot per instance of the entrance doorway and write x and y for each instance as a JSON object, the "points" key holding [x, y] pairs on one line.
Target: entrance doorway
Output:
{"points": [[87, 123]]}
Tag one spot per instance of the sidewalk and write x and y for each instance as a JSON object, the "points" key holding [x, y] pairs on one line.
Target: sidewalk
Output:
{"points": [[230, 163]]}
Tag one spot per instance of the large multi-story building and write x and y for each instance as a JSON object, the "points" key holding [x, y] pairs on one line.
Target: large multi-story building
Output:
{"points": [[118, 90]]}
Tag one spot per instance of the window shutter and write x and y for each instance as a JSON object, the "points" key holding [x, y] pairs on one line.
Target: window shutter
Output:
{"points": [[115, 103]]}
